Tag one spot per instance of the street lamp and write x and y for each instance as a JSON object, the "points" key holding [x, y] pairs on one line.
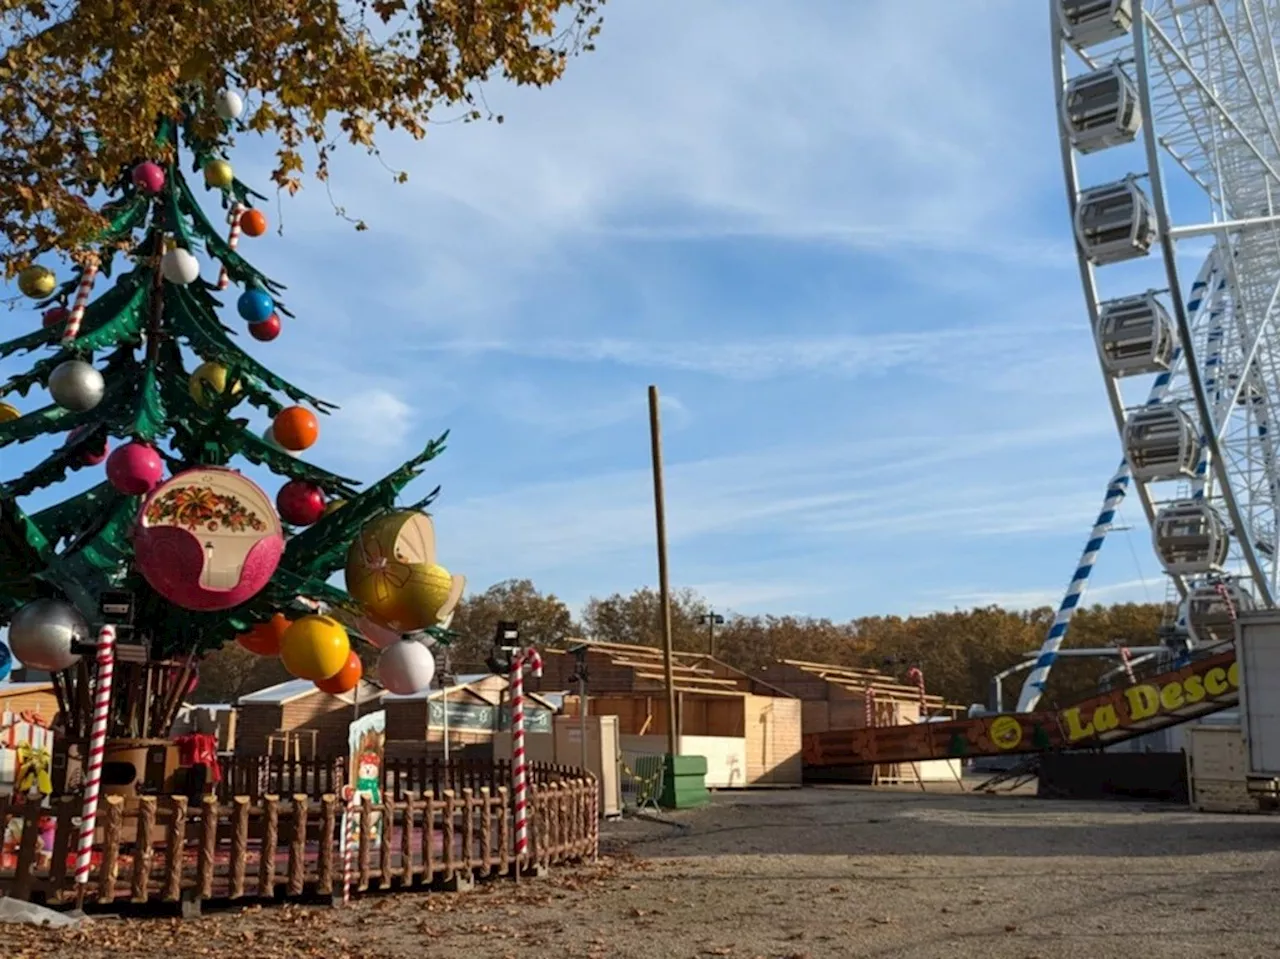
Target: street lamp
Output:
{"points": [[506, 641], [711, 620]]}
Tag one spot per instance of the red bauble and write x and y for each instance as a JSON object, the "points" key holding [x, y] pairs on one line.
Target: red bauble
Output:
{"points": [[345, 679], [267, 330], [55, 317], [253, 222], [90, 457], [300, 503]]}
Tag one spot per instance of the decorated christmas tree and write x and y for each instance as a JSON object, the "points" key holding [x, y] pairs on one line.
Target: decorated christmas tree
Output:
{"points": [[142, 375]]}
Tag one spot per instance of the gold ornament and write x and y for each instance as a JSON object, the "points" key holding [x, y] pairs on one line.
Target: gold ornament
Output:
{"points": [[9, 413], [392, 572], [37, 282], [218, 174], [213, 376], [332, 506]]}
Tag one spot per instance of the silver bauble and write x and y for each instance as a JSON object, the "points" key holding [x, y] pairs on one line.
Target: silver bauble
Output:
{"points": [[228, 104], [76, 386], [179, 266], [406, 667], [41, 634]]}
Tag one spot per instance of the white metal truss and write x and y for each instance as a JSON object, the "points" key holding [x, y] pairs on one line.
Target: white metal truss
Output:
{"points": [[1202, 163]]}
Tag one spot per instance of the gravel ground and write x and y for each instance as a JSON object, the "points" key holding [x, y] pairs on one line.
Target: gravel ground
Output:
{"points": [[804, 874]]}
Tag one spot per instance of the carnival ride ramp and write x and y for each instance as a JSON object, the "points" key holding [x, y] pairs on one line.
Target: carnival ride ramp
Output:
{"points": [[1203, 686]]}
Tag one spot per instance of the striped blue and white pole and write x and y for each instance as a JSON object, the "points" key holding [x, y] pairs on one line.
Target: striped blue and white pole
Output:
{"points": [[1033, 686]]}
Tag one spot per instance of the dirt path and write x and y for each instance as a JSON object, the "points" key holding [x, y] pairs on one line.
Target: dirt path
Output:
{"points": [[810, 874]]}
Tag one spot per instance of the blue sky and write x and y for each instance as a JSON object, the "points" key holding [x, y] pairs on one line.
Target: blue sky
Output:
{"points": [[839, 245]]}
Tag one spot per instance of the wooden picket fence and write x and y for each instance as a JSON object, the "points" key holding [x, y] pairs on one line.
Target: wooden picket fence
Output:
{"points": [[169, 850]]}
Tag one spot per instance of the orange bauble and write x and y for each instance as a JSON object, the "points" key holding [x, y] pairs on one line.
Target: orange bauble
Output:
{"points": [[264, 638], [253, 222], [296, 428], [345, 679]]}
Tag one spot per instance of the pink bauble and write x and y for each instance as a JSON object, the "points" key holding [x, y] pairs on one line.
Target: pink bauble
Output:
{"points": [[148, 177], [135, 468], [91, 457], [300, 503], [208, 539], [377, 634]]}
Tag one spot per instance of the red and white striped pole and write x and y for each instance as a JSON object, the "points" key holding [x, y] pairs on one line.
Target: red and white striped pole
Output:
{"points": [[869, 703], [1225, 593], [350, 823], [519, 768], [76, 316], [97, 747], [233, 240]]}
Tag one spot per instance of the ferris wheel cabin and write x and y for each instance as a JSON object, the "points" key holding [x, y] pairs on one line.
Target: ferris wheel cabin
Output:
{"points": [[1086, 23], [1161, 443], [1212, 610], [1190, 538], [1100, 109], [1115, 222], [1135, 335]]}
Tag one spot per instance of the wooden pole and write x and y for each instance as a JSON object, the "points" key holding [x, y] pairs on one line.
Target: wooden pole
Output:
{"points": [[664, 585]]}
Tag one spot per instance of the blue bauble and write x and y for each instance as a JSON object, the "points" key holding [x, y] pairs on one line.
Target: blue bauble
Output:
{"points": [[255, 306], [6, 662]]}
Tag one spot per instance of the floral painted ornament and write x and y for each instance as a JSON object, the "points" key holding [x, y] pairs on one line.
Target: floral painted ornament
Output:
{"points": [[208, 539]]}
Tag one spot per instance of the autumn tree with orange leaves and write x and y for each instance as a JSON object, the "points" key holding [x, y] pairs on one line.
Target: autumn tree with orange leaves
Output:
{"points": [[82, 85]]}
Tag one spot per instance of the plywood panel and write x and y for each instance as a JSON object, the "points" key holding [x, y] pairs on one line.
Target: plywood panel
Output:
{"points": [[726, 757], [773, 740]]}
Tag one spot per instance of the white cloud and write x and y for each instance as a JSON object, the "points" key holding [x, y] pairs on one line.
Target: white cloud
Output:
{"points": [[1143, 590], [895, 486]]}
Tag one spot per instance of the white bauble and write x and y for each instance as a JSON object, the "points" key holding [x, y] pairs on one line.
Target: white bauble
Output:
{"points": [[406, 668], [179, 266], [42, 632], [228, 104], [270, 436], [377, 634]]}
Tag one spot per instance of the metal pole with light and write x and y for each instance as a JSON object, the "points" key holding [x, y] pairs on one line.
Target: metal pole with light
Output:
{"points": [[711, 620], [580, 677], [664, 585]]}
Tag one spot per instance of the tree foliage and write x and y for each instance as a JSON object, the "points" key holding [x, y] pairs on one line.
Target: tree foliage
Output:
{"points": [[82, 83], [545, 620]]}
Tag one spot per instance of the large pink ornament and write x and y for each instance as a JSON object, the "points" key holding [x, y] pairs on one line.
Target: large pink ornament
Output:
{"points": [[135, 468], [148, 177], [377, 635], [208, 539]]}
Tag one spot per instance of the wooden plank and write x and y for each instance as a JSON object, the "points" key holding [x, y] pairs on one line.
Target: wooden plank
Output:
{"points": [[270, 846], [209, 815], [328, 840], [68, 809], [384, 848], [239, 844], [298, 845], [145, 856], [504, 830], [447, 834], [406, 840], [486, 832], [24, 878], [175, 846], [110, 867], [428, 838], [468, 830]]}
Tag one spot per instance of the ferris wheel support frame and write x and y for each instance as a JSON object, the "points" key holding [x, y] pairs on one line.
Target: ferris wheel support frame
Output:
{"points": [[1168, 253]]}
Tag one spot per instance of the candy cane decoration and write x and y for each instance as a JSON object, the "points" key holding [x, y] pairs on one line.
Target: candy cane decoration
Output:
{"points": [[97, 747], [1126, 659], [233, 240], [915, 675], [76, 316], [869, 705], [350, 823], [519, 770]]}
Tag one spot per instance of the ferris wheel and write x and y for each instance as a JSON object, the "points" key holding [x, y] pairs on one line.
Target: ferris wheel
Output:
{"points": [[1171, 152]]}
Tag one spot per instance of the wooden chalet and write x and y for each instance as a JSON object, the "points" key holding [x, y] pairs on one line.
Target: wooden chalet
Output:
{"points": [[844, 697], [748, 729], [296, 719]]}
